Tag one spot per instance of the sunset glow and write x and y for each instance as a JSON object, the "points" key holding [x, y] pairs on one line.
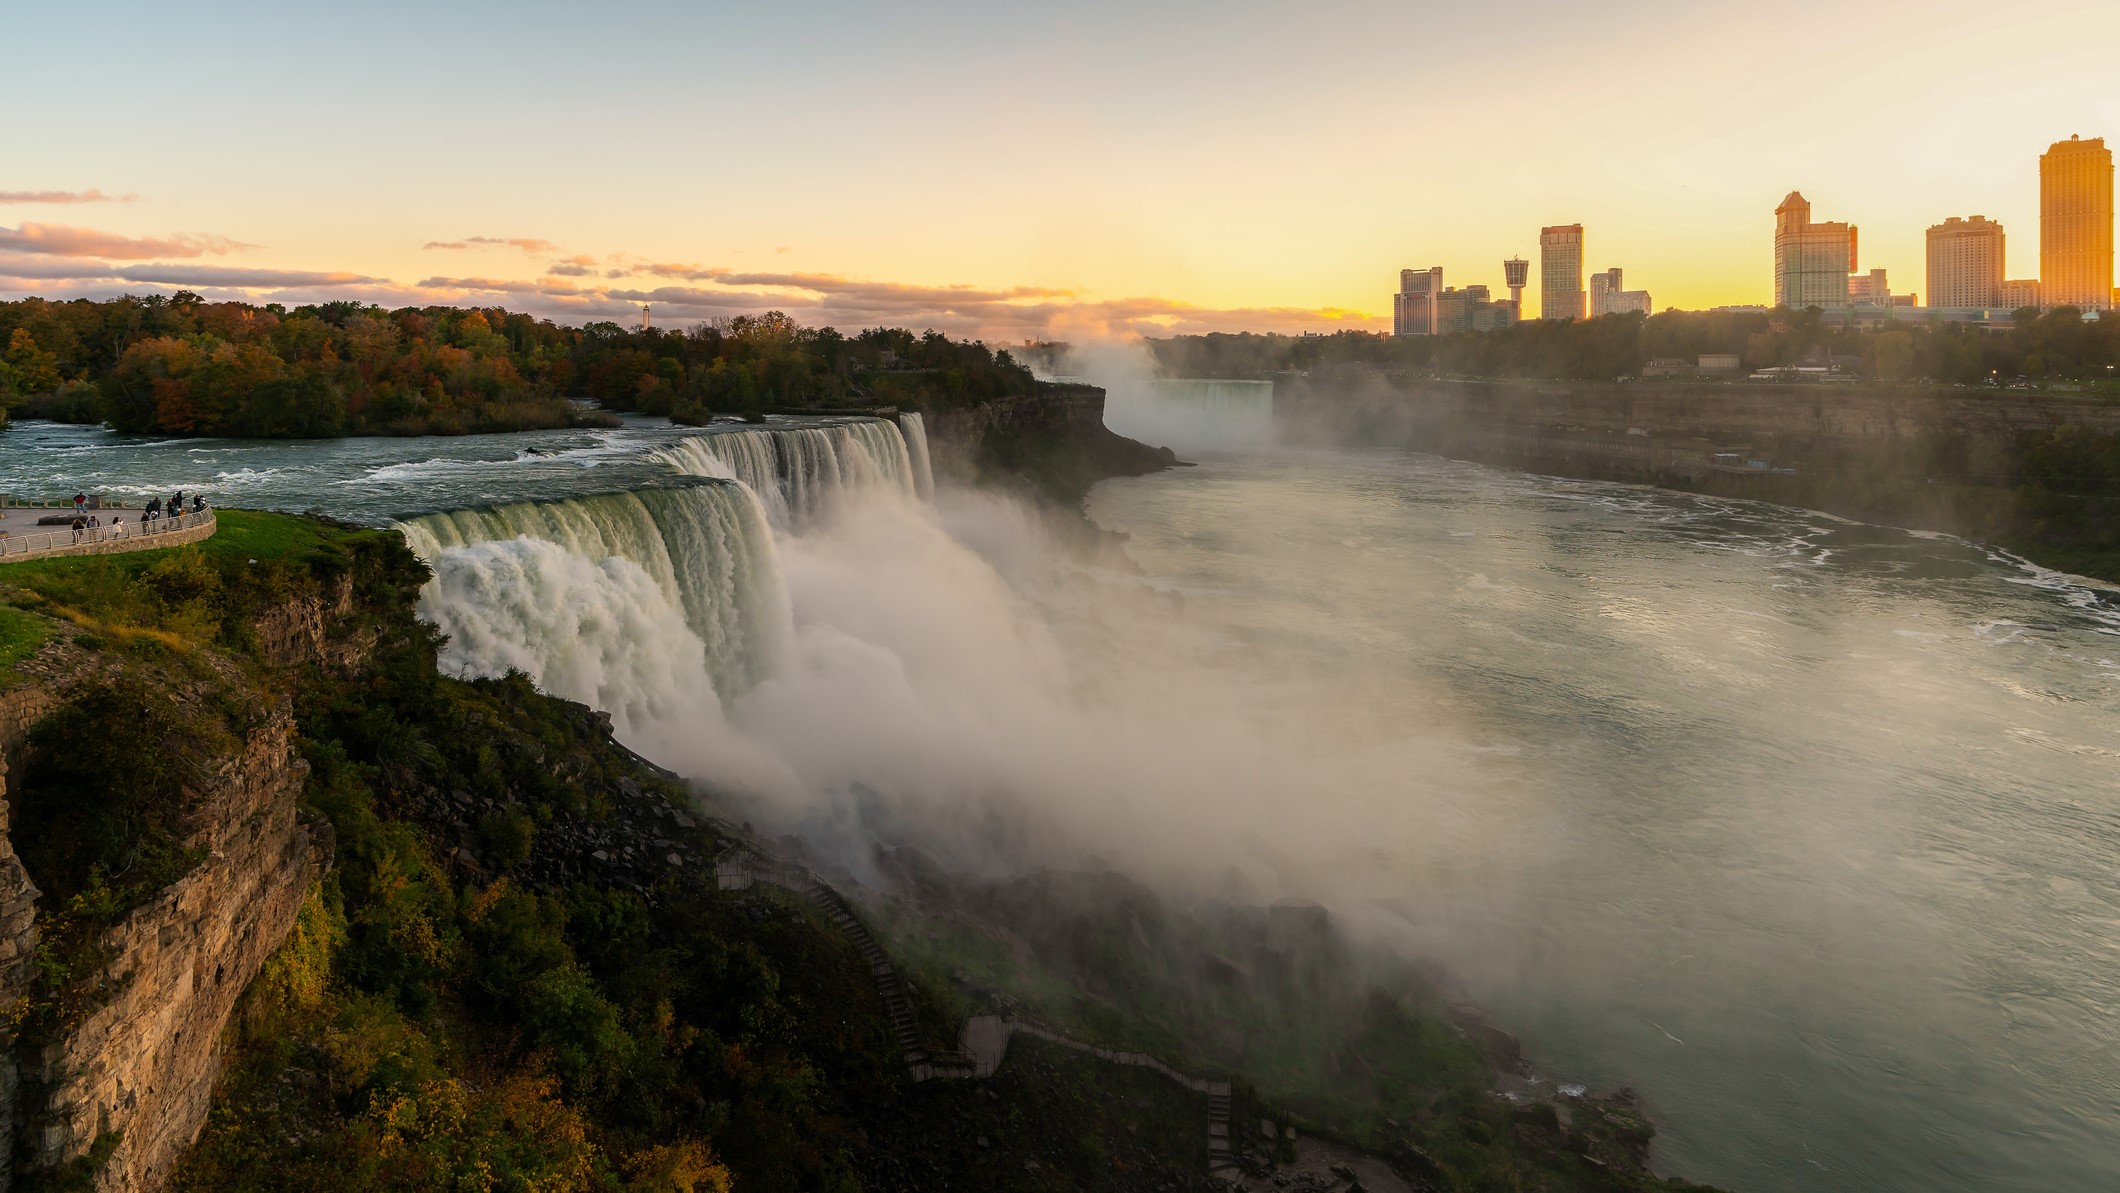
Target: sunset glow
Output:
{"points": [[1071, 170]]}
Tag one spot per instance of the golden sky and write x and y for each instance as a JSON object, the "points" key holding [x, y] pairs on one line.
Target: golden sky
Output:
{"points": [[1067, 169]]}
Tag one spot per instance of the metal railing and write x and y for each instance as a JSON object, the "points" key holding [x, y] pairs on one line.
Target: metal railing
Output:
{"points": [[145, 531]]}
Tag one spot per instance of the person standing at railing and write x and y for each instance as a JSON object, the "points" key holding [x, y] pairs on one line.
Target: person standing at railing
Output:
{"points": [[80, 503], [153, 511]]}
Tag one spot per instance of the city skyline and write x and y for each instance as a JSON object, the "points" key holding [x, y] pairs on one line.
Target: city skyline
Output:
{"points": [[720, 161]]}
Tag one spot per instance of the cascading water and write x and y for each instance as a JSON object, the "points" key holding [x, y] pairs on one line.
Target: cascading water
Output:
{"points": [[801, 472], [914, 429], [1192, 415], [641, 578]]}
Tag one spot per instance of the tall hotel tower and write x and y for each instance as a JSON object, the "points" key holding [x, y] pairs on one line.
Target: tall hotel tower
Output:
{"points": [[2076, 225], [1413, 308], [1965, 263], [1811, 261], [1560, 272]]}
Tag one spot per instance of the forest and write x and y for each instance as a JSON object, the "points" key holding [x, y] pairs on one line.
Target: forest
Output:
{"points": [[2058, 346], [185, 366]]}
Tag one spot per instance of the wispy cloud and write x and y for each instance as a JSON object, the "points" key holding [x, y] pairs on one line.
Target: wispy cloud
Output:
{"points": [[528, 244], [61, 240], [73, 268], [570, 290], [91, 195]]}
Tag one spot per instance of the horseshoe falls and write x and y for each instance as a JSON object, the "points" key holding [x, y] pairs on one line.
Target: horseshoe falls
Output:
{"points": [[1191, 414]]}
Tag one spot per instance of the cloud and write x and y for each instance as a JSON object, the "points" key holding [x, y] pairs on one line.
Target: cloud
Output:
{"points": [[14, 265], [91, 195], [527, 244], [61, 240], [570, 290], [225, 275]]}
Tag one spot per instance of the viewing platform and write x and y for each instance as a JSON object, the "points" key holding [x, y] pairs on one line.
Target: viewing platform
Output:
{"points": [[26, 532]]}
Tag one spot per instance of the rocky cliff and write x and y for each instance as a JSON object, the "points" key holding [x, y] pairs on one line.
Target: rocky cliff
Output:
{"points": [[140, 1071], [1960, 461], [117, 1024]]}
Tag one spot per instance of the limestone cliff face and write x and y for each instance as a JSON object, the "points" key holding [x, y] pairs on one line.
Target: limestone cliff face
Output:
{"points": [[1053, 442], [144, 1065], [141, 1068]]}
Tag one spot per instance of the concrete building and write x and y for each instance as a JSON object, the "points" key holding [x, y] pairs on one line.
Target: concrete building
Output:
{"points": [[2024, 292], [1811, 261], [1560, 272], [1516, 274], [1965, 263], [2076, 224], [1609, 295], [1471, 309], [1413, 307], [1870, 290]]}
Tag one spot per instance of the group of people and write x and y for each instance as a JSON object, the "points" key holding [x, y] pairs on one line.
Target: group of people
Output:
{"points": [[156, 510]]}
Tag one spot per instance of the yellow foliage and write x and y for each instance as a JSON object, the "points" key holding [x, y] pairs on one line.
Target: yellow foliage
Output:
{"points": [[687, 1166], [298, 976]]}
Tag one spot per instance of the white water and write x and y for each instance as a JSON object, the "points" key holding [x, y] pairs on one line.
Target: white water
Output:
{"points": [[801, 474]]}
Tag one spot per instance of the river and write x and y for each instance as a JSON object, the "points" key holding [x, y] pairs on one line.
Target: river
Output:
{"points": [[1804, 829], [1817, 824]]}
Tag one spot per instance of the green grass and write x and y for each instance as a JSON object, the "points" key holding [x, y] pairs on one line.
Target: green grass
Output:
{"points": [[21, 633]]}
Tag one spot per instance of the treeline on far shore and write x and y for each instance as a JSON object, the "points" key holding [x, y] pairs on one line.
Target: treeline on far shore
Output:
{"points": [[2055, 346], [185, 366]]}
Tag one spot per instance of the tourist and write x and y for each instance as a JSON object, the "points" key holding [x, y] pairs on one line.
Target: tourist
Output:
{"points": [[117, 526], [154, 508], [80, 502], [80, 524], [198, 503]]}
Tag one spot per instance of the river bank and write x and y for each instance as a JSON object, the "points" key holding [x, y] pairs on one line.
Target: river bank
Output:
{"points": [[2037, 473]]}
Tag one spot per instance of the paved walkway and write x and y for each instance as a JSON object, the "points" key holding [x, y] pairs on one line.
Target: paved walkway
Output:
{"points": [[22, 537]]}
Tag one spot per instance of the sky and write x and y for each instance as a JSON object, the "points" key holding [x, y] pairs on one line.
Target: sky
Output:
{"points": [[1062, 169]]}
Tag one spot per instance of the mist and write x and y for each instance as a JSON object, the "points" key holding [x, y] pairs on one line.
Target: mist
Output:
{"points": [[960, 682]]}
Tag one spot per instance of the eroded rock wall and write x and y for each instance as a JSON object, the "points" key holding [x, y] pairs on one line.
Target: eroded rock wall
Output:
{"points": [[144, 1065]]}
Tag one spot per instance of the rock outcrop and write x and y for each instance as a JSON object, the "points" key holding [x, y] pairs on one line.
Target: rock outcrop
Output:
{"points": [[1053, 442], [134, 1080], [143, 1066]]}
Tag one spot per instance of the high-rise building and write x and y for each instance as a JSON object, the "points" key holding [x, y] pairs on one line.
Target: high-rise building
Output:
{"points": [[1811, 261], [1965, 263], [1560, 272], [1516, 272], [1413, 310], [1609, 295], [2076, 224]]}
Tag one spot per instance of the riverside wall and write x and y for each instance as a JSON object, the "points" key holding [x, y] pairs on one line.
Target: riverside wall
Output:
{"points": [[1657, 432]]}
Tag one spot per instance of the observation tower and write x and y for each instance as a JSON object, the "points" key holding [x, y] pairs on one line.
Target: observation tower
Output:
{"points": [[1516, 272]]}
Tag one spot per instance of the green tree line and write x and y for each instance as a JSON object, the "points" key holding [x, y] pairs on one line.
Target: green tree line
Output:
{"points": [[185, 366], [2058, 345]]}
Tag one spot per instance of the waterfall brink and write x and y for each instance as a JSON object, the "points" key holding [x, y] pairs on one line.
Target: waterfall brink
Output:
{"points": [[619, 600], [1195, 415], [799, 473]]}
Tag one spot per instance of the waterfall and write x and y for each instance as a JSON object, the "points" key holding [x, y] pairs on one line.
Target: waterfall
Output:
{"points": [[1190, 414], [914, 430], [590, 593], [799, 473]]}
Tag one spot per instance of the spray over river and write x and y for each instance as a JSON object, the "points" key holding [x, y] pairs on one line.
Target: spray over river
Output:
{"points": [[1807, 830]]}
